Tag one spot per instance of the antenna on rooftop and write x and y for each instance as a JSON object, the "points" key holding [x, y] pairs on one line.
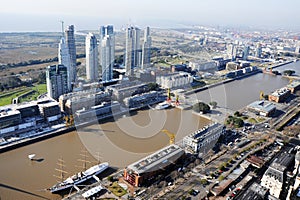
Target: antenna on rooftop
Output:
{"points": [[62, 27]]}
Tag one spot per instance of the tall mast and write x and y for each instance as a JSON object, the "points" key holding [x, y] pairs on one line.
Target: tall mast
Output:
{"points": [[61, 165]]}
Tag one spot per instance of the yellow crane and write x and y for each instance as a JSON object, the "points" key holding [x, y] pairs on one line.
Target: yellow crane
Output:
{"points": [[69, 120], [170, 135], [262, 95]]}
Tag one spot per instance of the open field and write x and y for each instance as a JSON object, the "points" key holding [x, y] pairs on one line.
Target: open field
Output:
{"points": [[6, 97]]}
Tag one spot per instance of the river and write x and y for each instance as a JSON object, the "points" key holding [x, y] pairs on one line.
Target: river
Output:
{"points": [[121, 141]]}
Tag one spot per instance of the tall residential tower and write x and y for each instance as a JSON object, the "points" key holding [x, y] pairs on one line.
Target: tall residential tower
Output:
{"points": [[64, 59], [56, 80], [132, 59], [91, 51], [107, 51], [70, 40], [146, 49]]}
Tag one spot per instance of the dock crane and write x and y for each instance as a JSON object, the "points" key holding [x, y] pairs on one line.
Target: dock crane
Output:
{"points": [[170, 135]]}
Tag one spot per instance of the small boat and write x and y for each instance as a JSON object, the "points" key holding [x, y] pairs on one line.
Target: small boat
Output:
{"points": [[162, 106], [31, 156]]}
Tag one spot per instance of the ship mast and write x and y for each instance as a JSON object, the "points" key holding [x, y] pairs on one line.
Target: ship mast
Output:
{"points": [[61, 165], [84, 160]]}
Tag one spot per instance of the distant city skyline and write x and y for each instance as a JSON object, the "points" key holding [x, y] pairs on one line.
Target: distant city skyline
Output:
{"points": [[32, 15]]}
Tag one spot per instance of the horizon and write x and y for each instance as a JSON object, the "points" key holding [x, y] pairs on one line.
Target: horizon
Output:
{"points": [[33, 16]]}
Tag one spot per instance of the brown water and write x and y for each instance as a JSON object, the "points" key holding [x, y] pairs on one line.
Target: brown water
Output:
{"points": [[120, 143]]}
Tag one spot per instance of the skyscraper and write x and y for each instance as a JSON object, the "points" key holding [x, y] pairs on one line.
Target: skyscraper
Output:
{"points": [[106, 58], [132, 49], [70, 39], [146, 49], [91, 51], [246, 52], [107, 51], [64, 59], [231, 51], [258, 51], [56, 80]]}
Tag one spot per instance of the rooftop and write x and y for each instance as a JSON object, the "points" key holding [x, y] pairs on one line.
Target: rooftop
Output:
{"points": [[293, 84], [280, 91], [262, 106], [206, 130], [157, 160]]}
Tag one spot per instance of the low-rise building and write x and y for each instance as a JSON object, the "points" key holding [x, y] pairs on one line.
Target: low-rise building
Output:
{"points": [[280, 95], [50, 111], [203, 66], [262, 108], [144, 99], [147, 169], [294, 86], [200, 138], [174, 80]]}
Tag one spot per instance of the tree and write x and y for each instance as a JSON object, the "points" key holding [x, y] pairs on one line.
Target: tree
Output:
{"points": [[42, 77], [213, 104], [203, 181], [152, 86], [288, 72], [201, 107]]}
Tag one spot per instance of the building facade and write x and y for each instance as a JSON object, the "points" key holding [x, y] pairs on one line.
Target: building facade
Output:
{"points": [[64, 59], [91, 51], [70, 40], [107, 51], [146, 48], [132, 54], [56, 80]]}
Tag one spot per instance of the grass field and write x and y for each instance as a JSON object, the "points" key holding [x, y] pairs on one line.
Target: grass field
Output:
{"points": [[117, 190], [6, 98]]}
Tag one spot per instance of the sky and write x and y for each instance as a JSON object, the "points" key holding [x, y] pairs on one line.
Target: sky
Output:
{"points": [[45, 15]]}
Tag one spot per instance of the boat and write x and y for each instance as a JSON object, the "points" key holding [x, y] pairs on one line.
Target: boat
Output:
{"points": [[31, 156], [80, 177], [162, 105]]}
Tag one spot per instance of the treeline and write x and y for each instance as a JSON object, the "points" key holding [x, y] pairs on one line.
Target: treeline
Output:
{"points": [[35, 62]]}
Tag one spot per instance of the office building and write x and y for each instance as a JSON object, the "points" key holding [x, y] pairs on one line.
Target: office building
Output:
{"points": [[70, 40], [132, 55], [107, 52], [64, 59], [280, 95], [174, 80], [203, 137], [146, 49], [56, 80], [91, 51], [147, 169]]}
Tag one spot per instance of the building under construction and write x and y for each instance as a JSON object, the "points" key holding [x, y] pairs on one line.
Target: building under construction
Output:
{"points": [[147, 170]]}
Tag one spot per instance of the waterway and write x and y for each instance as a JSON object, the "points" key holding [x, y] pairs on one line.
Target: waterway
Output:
{"points": [[121, 141]]}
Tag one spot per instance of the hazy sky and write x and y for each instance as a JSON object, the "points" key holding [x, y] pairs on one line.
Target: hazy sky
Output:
{"points": [[44, 15]]}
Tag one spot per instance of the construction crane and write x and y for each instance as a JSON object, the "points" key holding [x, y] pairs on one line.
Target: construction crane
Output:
{"points": [[170, 135], [261, 95], [69, 120], [169, 95]]}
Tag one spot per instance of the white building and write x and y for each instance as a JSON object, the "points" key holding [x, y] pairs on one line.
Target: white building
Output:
{"points": [[64, 59], [107, 51], [106, 58], [200, 138], [133, 52], [174, 80], [91, 51], [203, 66]]}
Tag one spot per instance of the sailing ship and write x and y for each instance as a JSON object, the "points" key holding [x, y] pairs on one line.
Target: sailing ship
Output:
{"points": [[77, 178]]}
